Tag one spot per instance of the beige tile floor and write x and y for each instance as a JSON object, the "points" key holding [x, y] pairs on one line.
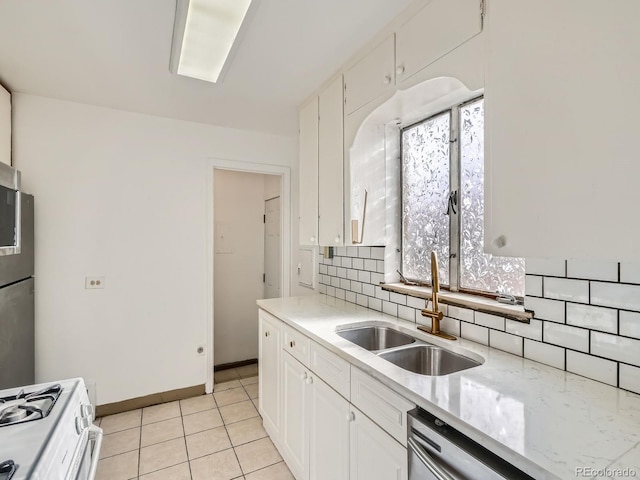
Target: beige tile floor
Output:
{"points": [[209, 437]]}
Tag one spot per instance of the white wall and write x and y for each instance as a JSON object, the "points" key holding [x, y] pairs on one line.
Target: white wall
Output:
{"points": [[238, 261], [123, 195]]}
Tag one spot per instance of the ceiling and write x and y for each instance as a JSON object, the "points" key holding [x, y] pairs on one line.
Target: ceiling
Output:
{"points": [[115, 53]]}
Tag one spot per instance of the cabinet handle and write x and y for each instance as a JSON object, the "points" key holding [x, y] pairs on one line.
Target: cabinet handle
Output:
{"points": [[292, 344], [303, 376], [399, 69], [337, 239], [351, 417], [309, 380], [387, 79], [500, 242], [312, 239]]}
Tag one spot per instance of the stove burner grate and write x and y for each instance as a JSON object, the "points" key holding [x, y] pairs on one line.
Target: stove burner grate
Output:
{"points": [[23, 407]]}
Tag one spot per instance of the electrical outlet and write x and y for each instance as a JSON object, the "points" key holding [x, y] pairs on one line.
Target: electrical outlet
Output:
{"points": [[94, 282], [200, 350]]}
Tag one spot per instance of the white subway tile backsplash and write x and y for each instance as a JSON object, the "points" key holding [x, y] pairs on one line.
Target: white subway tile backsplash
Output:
{"points": [[491, 321], [398, 298], [346, 284], [364, 252], [622, 349], [407, 313], [368, 289], [370, 265], [390, 308], [340, 293], [460, 313], [533, 285], [341, 251], [545, 266], [566, 336], [352, 251], [362, 300], [364, 277], [322, 288], [630, 324], [475, 333], [382, 294], [616, 295], [375, 304], [322, 269], [341, 272], [346, 262], [356, 286], [630, 272], [504, 341], [352, 274], [595, 318], [377, 253], [544, 353], [531, 330], [564, 289], [415, 302], [592, 367], [380, 268], [630, 378], [593, 270], [447, 325], [350, 297], [335, 281], [331, 291], [377, 278], [357, 263], [545, 309]]}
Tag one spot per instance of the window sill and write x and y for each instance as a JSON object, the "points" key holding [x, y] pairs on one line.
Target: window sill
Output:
{"points": [[464, 300]]}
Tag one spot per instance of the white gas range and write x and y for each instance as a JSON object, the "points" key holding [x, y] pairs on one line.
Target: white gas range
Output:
{"points": [[47, 433]]}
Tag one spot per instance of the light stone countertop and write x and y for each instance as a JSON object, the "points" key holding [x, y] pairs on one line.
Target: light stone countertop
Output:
{"points": [[545, 421]]}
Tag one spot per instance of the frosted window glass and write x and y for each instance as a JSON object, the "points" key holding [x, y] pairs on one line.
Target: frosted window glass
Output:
{"points": [[480, 271], [425, 193]]}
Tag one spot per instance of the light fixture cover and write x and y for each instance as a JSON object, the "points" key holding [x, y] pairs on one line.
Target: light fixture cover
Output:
{"points": [[210, 30]]}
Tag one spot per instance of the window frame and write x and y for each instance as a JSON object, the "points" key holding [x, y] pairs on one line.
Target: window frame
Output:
{"points": [[454, 112]]}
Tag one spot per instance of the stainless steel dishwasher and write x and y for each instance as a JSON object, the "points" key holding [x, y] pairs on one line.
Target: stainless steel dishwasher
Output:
{"points": [[439, 452]]}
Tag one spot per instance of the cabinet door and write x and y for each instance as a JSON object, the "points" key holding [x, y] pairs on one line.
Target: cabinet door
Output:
{"points": [[329, 432], [295, 428], [374, 455], [561, 103], [438, 28], [309, 173], [5, 126], [269, 370], [330, 165], [370, 77]]}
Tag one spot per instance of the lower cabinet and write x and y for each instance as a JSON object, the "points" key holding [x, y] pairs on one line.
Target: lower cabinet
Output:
{"points": [[374, 455], [295, 426]]}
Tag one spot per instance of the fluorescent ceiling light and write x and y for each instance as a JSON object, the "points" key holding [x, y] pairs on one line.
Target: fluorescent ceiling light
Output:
{"points": [[210, 30]]}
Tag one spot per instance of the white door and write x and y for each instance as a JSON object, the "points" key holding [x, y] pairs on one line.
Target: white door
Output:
{"points": [[272, 264], [374, 454], [295, 429], [328, 432], [269, 378]]}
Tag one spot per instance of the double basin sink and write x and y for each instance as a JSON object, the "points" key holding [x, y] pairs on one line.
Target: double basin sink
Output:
{"points": [[406, 351]]}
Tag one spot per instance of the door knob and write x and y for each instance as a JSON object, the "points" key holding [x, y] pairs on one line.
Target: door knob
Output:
{"points": [[399, 69]]}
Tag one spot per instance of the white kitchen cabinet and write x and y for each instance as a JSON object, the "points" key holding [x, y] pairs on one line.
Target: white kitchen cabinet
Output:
{"points": [[329, 418], [561, 123], [330, 165], [434, 31], [5, 126], [270, 353], [370, 77], [374, 455], [308, 150], [295, 426]]}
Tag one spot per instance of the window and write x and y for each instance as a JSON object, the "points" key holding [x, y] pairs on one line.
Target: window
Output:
{"points": [[443, 205]]}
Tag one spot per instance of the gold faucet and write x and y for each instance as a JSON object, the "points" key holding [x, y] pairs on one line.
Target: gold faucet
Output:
{"points": [[435, 314]]}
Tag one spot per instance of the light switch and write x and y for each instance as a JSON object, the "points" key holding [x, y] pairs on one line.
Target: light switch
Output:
{"points": [[94, 282]]}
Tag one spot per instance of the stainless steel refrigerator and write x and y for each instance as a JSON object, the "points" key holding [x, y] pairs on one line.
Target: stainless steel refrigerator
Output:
{"points": [[17, 311]]}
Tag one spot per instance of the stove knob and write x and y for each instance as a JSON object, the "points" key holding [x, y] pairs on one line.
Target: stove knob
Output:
{"points": [[82, 423], [87, 410]]}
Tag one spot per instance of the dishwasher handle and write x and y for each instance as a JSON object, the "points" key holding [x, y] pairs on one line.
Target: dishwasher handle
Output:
{"points": [[95, 435], [427, 461]]}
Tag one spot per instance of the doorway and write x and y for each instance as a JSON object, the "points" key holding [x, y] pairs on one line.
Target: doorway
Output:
{"points": [[249, 240]]}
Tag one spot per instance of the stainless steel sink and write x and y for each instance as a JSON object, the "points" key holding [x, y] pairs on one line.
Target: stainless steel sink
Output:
{"points": [[376, 338], [428, 360]]}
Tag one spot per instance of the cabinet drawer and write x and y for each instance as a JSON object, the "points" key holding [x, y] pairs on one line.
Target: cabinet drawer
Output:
{"points": [[381, 404], [297, 345], [331, 368]]}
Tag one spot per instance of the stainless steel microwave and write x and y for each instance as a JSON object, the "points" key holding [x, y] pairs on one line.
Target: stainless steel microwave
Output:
{"points": [[9, 210]]}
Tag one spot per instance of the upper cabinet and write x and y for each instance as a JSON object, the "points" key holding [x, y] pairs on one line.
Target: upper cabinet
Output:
{"points": [[308, 202], [330, 165], [5, 126], [561, 122], [438, 28], [370, 77]]}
